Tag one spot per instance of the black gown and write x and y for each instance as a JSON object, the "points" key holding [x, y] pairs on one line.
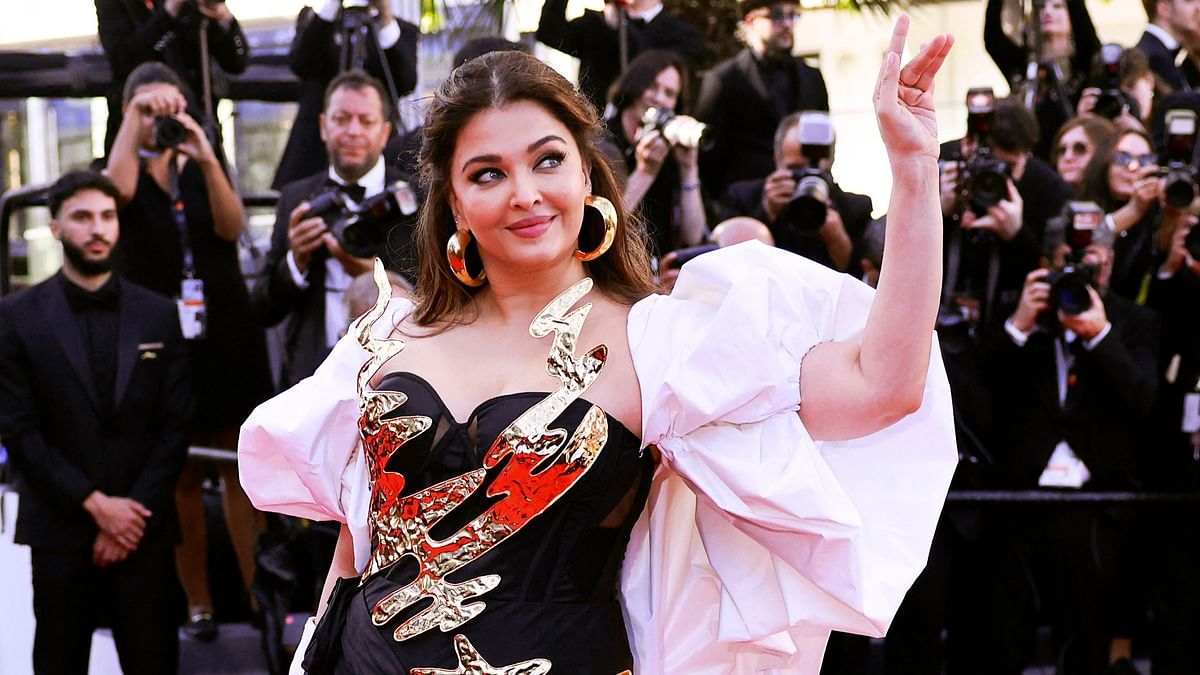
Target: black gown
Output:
{"points": [[230, 373], [556, 593]]}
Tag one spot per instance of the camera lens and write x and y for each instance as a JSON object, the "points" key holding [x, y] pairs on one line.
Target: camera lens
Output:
{"points": [[809, 204], [1180, 190], [168, 132], [1069, 292]]}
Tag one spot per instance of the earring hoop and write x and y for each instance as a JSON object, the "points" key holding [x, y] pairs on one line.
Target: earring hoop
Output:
{"points": [[456, 254], [608, 213]]}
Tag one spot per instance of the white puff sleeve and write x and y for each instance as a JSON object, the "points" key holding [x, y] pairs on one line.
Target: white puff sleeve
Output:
{"points": [[756, 540], [299, 453]]}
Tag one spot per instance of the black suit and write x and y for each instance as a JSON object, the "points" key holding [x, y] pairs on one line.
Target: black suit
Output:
{"points": [[1162, 62], [597, 46], [63, 448], [1071, 552], [278, 297], [745, 198], [736, 102], [314, 57]]}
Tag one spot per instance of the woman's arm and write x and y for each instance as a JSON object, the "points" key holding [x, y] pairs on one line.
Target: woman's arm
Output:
{"points": [[124, 164], [693, 221], [850, 390], [341, 567], [1006, 54], [223, 200]]}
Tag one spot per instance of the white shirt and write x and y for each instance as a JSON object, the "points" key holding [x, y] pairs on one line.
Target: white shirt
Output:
{"points": [[1163, 36], [336, 279]]}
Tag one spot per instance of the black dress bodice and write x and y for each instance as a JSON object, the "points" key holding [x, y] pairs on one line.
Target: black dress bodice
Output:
{"points": [[553, 581]]}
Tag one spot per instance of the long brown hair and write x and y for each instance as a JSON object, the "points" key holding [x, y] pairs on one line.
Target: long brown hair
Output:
{"points": [[1095, 174], [493, 81]]}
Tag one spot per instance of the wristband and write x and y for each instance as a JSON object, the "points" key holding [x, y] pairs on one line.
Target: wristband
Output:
{"points": [[689, 186]]}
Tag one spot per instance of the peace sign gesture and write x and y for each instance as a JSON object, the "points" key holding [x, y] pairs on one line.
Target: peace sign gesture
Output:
{"points": [[904, 97]]}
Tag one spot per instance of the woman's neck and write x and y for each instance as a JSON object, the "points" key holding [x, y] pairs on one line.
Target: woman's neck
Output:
{"points": [[1056, 47], [518, 295]]}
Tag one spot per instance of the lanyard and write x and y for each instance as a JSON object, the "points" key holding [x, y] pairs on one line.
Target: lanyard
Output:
{"points": [[177, 210]]}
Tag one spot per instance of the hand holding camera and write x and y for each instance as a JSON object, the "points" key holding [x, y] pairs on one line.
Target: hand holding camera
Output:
{"points": [[305, 235], [778, 192], [1035, 299], [1183, 250], [1003, 218], [651, 151], [1088, 323]]}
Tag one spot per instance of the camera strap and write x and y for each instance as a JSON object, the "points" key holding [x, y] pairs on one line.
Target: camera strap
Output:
{"points": [[190, 303]]}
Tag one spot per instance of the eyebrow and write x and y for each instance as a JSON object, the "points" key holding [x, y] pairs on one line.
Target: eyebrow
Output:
{"points": [[496, 158]]}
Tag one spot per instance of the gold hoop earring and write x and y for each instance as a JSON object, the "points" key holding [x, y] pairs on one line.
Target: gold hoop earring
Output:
{"points": [[456, 253], [608, 213]]}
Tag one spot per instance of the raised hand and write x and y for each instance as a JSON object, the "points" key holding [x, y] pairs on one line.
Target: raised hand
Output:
{"points": [[904, 97]]}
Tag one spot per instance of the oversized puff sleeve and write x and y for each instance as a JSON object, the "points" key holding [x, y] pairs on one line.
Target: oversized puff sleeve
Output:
{"points": [[756, 540], [300, 454]]}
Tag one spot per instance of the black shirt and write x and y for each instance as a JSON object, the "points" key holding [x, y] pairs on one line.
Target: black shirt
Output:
{"points": [[96, 315]]}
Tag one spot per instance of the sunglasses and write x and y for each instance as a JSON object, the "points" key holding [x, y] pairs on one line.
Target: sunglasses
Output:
{"points": [[1078, 148], [1124, 159]]}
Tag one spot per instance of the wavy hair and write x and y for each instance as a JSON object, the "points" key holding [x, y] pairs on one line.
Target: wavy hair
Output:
{"points": [[490, 82]]}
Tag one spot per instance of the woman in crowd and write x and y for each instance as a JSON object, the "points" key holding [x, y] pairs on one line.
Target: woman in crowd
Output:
{"points": [[1068, 39], [1075, 144], [664, 178], [1125, 183], [488, 523], [161, 157]]}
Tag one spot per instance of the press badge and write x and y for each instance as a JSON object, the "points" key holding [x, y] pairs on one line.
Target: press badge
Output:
{"points": [[1191, 413], [192, 318]]}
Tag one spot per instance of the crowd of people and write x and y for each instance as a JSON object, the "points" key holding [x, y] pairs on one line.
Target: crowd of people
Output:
{"points": [[1067, 322]]}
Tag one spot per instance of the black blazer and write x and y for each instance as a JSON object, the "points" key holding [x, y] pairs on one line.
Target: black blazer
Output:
{"points": [[61, 447], [1104, 411], [1162, 62], [314, 58], [735, 102], [277, 297]]}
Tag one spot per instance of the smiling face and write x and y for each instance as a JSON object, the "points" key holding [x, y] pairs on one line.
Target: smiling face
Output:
{"points": [[517, 182], [663, 92]]}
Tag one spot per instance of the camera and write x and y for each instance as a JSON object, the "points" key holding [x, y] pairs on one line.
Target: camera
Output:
{"points": [[362, 229], [810, 202], [1180, 182], [1080, 224], [168, 132], [1111, 101], [983, 182], [676, 129]]}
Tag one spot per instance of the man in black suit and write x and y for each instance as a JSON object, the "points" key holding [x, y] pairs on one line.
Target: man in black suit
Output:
{"points": [[308, 270], [94, 409], [745, 97], [1171, 22], [595, 39], [832, 241], [133, 32], [316, 57], [1079, 375]]}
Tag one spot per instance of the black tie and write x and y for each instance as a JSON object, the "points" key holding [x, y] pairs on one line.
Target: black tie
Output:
{"points": [[352, 190]]}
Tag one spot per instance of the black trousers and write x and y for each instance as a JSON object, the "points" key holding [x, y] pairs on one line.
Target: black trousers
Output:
{"points": [[71, 597]]}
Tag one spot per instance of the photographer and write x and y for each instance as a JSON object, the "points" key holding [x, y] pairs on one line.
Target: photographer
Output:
{"points": [[1075, 144], [1171, 22], [595, 39], [1078, 371], [180, 221], [322, 49], [1122, 88], [309, 267], [1068, 45], [995, 204], [798, 222], [660, 150], [133, 32], [745, 97]]}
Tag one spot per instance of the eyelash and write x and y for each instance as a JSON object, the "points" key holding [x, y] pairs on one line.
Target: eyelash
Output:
{"points": [[556, 156]]}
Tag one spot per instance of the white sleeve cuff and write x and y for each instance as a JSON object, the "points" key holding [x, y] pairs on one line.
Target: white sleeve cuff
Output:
{"points": [[329, 10], [1018, 337], [389, 34], [1091, 344], [299, 278]]}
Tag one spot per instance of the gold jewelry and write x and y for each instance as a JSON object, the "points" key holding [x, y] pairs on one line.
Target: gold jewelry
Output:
{"points": [[456, 253], [608, 213]]}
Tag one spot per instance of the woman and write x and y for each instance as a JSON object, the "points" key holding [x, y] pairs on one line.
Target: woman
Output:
{"points": [[746, 547], [1068, 39], [1125, 183], [663, 178], [1076, 143], [168, 251]]}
